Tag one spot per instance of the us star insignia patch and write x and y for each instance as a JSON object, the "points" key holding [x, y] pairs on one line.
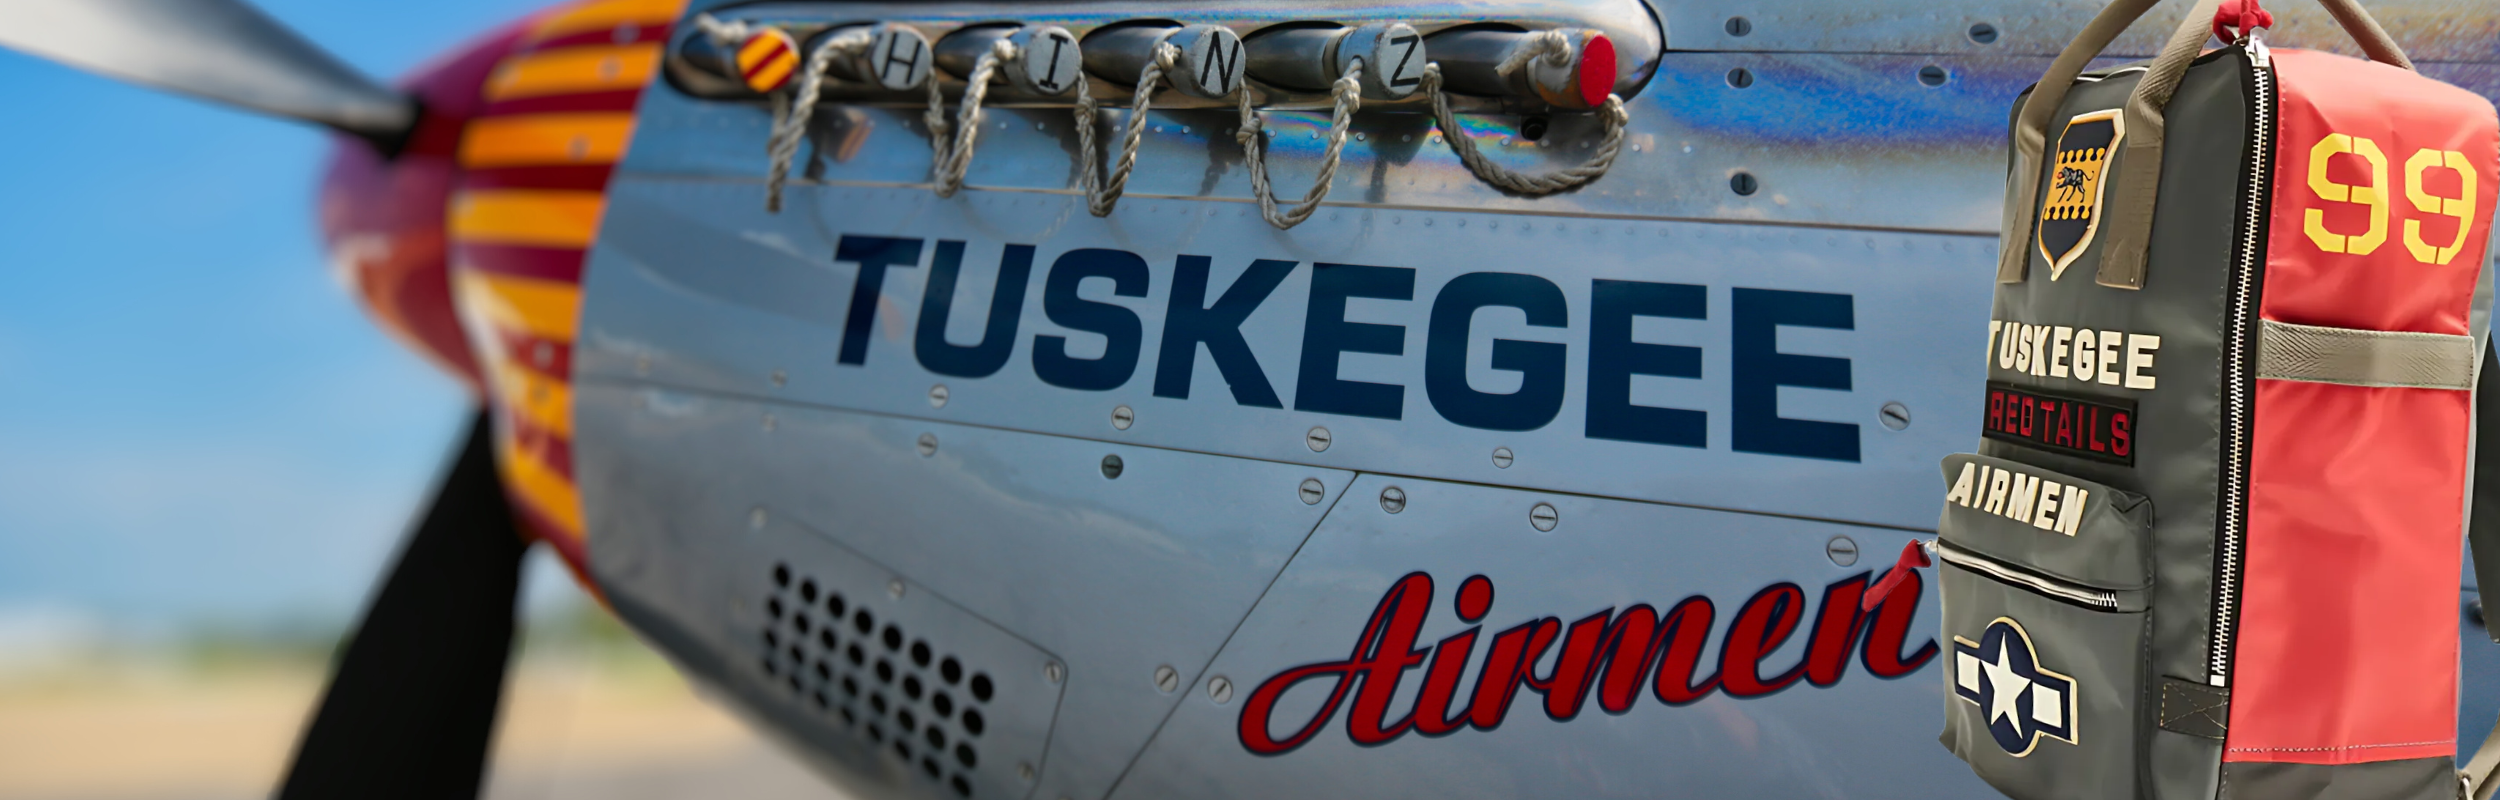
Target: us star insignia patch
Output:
{"points": [[2024, 701], [2071, 213]]}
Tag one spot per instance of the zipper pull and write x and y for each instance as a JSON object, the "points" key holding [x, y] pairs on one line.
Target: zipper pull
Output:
{"points": [[1913, 556], [2240, 19]]}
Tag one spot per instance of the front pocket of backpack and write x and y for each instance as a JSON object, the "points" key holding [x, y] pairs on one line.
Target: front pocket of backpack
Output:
{"points": [[2045, 609]]}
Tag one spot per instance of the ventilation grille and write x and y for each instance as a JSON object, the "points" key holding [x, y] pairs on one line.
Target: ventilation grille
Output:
{"points": [[886, 675], [897, 690]]}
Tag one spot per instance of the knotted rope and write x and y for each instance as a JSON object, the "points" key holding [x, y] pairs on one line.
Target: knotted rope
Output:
{"points": [[1348, 92], [1556, 50], [1101, 193], [949, 161], [790, 118]]}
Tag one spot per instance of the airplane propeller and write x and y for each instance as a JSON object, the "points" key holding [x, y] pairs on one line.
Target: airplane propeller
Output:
{"points": [[221, 50], [410, 709]]}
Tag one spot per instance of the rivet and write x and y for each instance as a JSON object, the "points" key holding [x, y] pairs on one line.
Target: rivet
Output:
{"points": [[1112, 467], [894, 588], [1040, 126], [1932, 76], [1393, 499], [1501, 457], [1983, 33], [937, 396], [1543, 516], [1313, 491], [1167, 679], [1318, 440], [1362, 137], [1122, 417], [1220, 689], [1842, 550], [780, 378], [1744, 184], [1739, 78], [1739, 26], [1052, 671], [757, 518], [928, 444], [1895, 415]]}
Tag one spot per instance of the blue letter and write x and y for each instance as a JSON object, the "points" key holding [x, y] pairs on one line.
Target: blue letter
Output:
{"points": [[1188, 322], [1539, 364], [1119, 325], [1614, 358], [1015, 269], [1326, 334], [1761, 369], [873, 254]]}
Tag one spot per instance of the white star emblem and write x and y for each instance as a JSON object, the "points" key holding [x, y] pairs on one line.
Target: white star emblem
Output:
{"points": [[2007, 688]]}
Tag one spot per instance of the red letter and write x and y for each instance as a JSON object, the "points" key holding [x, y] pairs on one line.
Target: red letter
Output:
{"points": [[1836, 627], [1432, 705], [1759, 628], [1387, 637], [1506, 666], [1891, 632]]}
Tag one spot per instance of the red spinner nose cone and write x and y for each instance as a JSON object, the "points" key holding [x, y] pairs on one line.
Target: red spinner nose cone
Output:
{"points": [[1597, 70]]}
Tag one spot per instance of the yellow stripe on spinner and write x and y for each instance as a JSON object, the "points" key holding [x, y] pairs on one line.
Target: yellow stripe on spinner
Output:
{"points": [[608, 15], [542, 488], [574, 70], [534, 217], [540, 308], [537, 139]]}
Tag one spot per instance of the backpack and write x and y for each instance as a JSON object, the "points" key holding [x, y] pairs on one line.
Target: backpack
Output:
{"points": [[2209, 543]]}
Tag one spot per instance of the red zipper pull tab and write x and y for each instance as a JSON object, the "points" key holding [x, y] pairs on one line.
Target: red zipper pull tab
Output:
{"points": [[1913, 556], [2239, 18]]}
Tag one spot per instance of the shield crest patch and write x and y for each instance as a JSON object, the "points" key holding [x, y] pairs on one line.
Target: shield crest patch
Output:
{"points": [[2070, 210]]}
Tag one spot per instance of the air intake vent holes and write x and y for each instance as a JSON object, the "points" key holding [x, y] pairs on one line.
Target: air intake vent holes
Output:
{"points": [[824, 668]]}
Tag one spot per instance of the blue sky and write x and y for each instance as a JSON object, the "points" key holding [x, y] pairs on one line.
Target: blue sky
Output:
{"points": [[197, 424]]}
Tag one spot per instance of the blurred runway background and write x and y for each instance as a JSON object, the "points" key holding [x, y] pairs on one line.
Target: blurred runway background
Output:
{"points": [[207, 454]]}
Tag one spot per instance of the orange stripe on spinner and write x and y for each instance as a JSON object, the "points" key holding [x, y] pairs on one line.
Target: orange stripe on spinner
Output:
{"points": [[543, 139], [534, 483], [544, 218], [574, 70], [608, 14], [767, 60], [545, 309]]}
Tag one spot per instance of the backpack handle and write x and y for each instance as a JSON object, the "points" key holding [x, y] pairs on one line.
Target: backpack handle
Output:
{"points": [[2130, 210]]}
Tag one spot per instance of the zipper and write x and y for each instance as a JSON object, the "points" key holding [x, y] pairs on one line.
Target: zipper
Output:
{"points": [[2070, 592], [2239, 362]]}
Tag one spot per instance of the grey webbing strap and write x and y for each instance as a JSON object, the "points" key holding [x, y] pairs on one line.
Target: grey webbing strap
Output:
{"points": [[2393, 359], [2031, 131], [2130, 206], [2138, 182]]}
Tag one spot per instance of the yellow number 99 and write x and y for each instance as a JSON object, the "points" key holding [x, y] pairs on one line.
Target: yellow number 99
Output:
{"points": [[2460, 207], [2375, 195]]}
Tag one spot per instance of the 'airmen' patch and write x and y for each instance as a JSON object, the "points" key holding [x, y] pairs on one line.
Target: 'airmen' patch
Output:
{"points": [[2070, 214], [767, 60]]}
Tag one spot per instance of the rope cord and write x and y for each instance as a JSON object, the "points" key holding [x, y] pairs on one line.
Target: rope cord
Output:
{"points": [[1348, 93], [1556, 50], [723, 33], [790, 118], [949, 161], [1103, 193]]}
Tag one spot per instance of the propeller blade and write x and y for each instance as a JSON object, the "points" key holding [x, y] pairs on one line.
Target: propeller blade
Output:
{"points": [[410, 710], [222, 50]]}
